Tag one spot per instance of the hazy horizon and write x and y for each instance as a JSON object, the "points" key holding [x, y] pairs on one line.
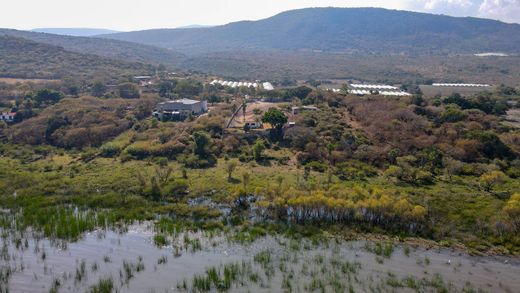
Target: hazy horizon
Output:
{"points": [[131, 15]]}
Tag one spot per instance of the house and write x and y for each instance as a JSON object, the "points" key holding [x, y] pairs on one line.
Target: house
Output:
{"points": [[254, 125], [144, 80], [7, 117], [179, 109], [297, 110]]}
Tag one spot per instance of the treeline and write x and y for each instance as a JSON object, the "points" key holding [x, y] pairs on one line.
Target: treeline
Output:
{"points": [[370, 209]]}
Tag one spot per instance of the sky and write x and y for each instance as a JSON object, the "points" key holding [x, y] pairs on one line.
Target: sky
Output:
{"points": [[126, 15]]}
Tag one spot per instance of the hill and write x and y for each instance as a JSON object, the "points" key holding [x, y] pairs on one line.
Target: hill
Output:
{"points": [[113, 49], [77, 32], [344, 30], [23, 58]]}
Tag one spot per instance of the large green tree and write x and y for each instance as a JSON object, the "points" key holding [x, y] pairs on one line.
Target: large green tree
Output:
{"points": [[275, 117], [128, 90]]}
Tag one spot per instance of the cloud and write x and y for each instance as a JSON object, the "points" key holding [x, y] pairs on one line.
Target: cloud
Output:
{"points": [[450, 7], [505, 10]]}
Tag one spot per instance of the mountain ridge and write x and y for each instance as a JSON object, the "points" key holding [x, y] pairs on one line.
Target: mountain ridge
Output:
{"points": [[344, 30], [75, 32], [107, 48]]}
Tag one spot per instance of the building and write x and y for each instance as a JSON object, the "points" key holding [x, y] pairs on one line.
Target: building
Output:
{"points": [[461, 85], [179, 109], [254, 125], [268, 86], [144, 80], [298, 110], [7, 117]]}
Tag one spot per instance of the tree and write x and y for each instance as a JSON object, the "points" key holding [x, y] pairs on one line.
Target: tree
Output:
{"points": [[452, 167], [230, 167], [201, 142], [453, 114], [189, 88], [275, 117], [128, 90], [512, 209], [246, 177], [47, 96], [490, 179], [166, 88], [244, 109], [98, 89], [258, 149]]}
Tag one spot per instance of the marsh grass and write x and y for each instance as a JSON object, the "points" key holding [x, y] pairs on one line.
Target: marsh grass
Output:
{"points": [[105, 285]]}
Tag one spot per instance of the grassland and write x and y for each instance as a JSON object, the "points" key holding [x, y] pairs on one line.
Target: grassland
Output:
{"points": [[36, 184]]}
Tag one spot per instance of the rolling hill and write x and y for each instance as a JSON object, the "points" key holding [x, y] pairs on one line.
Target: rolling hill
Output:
{"points": [[114, 49], [21, 58], [77, 32], [342, 30]]}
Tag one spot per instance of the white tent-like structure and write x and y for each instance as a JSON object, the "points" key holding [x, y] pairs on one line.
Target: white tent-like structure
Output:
{"points": [[235, 84], [461, 85]]}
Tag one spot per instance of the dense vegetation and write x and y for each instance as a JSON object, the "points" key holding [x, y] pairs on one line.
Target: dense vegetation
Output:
{"points": [[445, 168], [421, 69]]}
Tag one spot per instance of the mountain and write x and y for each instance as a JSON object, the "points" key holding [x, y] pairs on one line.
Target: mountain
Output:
{"points": [[77, 32], [22, 58], [113, 49], [342, 30]]}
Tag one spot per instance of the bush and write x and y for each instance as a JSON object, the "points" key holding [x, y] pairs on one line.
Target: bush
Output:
{"points": [[177, 188], [317, 166], [354, 170], [110, 150], [453, 114], [195, 162], [139, 150]]}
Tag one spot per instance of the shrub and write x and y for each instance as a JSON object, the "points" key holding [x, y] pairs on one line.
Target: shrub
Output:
{"points": [[176, 188], [110, 150], [139, 150], [453, 114], [194, 161], [317, 166], [354, 170], [488, 180]]}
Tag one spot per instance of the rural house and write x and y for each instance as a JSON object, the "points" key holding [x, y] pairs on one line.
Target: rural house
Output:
{"points": [[7, 117], [179, 109]]}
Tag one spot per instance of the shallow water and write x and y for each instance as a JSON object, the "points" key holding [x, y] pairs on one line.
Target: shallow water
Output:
{"points": [[294, 265]]}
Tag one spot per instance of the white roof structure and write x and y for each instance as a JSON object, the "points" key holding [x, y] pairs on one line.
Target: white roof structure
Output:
{"points": [[334, 90], [360, 92], [382, 93], [268, 86], [491, 54], [234, 84], [461, 85], [374, 86]]}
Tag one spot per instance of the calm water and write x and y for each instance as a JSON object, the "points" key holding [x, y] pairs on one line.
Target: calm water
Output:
{"points": [[294, 265]]}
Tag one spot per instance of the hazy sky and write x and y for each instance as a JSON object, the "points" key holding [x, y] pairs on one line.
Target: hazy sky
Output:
{"points": [[145, 14]]}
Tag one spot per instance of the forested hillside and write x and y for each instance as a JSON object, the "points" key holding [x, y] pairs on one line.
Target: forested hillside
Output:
{"points": [[102, 47], [22, 58], [366, 30]]}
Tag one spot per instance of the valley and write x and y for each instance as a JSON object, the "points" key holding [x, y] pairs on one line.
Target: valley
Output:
{"points": [[317, 150]]}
